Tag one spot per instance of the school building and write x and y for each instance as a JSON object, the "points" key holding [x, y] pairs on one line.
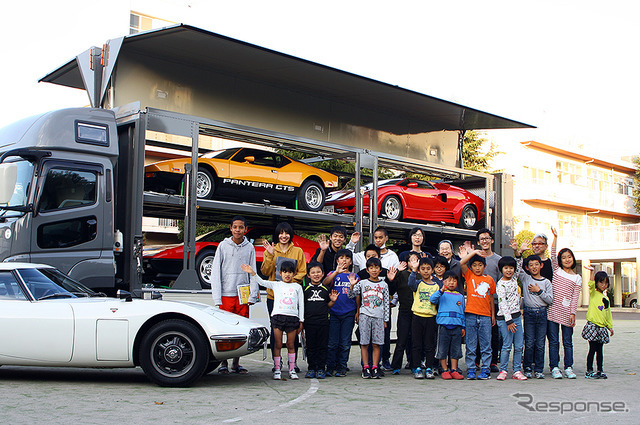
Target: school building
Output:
{"points": [[587, 197]]}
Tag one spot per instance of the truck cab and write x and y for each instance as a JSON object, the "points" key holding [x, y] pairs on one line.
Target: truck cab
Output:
{"points": [[57, 177]]}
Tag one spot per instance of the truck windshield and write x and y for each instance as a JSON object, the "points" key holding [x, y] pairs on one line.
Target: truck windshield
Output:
{"points": [[20, 190]]}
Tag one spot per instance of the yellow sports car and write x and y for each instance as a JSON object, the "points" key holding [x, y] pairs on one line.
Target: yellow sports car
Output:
{"points": [[245, 174]]}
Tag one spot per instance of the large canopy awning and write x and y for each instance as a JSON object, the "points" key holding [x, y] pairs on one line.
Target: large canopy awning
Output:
{"points": [[196, 47]]}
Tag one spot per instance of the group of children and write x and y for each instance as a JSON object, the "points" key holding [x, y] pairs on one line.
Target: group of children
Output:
{"points": [[434, 317]]}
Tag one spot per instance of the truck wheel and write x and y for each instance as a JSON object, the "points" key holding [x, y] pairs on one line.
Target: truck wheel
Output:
{"points": [[204, 261], [205, 184], [391, 208], [174, 353], [633, 304], [311, 196], [469, 217]]}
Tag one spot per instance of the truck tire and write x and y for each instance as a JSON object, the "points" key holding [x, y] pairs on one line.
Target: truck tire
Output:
{"points": [[633, 304], [311, 196], [204, 261], [174, 353], [205, 184], [391, 208], [469, 217]]}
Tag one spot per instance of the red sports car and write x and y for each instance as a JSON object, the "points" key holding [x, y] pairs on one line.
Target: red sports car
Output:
{"points": [[161, 267], [412, 199]]}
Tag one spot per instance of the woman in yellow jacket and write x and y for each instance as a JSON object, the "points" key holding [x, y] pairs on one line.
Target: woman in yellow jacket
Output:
{"points": [[281, 249]]}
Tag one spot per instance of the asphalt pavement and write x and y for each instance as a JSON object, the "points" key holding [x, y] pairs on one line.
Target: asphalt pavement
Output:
{"points": [[30, 395]]}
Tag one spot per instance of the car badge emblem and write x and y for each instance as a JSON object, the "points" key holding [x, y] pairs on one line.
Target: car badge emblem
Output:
{"points": [[113, 309]]}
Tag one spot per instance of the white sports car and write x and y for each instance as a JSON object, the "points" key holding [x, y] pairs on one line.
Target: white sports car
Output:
{"points": [[47, 319]]}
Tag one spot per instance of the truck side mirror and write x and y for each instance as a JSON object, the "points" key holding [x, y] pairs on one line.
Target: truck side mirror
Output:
{"points": [[8, 177]]}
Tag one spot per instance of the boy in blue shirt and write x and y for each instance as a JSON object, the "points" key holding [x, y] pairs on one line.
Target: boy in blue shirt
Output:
{"points": [[342, 315], [451, 324]]}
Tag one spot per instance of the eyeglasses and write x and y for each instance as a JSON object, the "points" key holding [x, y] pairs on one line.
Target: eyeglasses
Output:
{"points": [[538, 243], [484, 239]]}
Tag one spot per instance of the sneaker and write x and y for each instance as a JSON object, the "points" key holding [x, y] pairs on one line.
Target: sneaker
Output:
{"points": [[568, 372], [519, 376], [310, 374], [340, 373], [320, 374], [329, 373], [380, 372], [528, 373], [428, 374], [471, 374], [502, 375], [366, 373], [600, 375], [418, 374], [293, 375], [396, 371], [436, 372], [494, 368], [538, 375], [590, 375], [485, 374], [386, 365], [376, 373], [555, 373], [446, 375], [277, 375], [456, 375]]}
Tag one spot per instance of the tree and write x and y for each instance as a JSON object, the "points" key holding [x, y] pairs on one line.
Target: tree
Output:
{"points": [[473, 155], [636, 184]]}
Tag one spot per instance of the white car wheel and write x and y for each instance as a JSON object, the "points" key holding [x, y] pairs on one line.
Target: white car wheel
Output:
{"points": [[174, 353]]}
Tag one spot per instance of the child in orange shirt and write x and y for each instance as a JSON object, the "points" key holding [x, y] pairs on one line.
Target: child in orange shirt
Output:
{"points": [[479, 313]]}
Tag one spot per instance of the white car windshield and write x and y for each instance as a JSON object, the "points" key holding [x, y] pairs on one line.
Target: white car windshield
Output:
{"points": [[41, 286]]}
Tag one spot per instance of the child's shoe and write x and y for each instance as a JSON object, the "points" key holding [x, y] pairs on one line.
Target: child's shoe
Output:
{"points": [[386, 365], [329, 373], [293, 375], [555, 373], [340, 373], [446, 375], [366, 373], [528, 373], [428, 374], [456, 375], [471, 374], [320, 374], [418, 374], [589, 375], [376, 373], [600, 375], [277, 375], [310, 374], [494, 368], [485, 374], [502, 375], [538, 375], [396, 371], [568, 372], [519, 376]]}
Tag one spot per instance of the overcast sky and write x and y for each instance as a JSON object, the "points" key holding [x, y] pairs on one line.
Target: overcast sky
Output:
{"points": [[568, 67]]}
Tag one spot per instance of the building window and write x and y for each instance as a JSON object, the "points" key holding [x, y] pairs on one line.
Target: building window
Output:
{"points": [[139, 22]]}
